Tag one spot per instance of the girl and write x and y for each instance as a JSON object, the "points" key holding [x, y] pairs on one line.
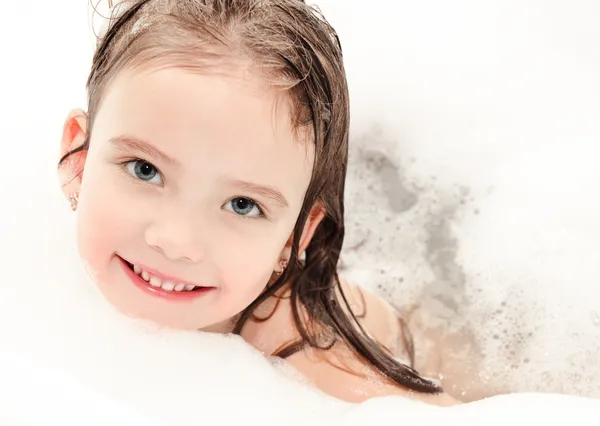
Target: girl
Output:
{"points": [[208, 178]]}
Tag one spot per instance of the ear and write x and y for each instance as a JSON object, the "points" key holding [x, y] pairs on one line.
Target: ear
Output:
{"points": [[316, 215], [71, 168]]}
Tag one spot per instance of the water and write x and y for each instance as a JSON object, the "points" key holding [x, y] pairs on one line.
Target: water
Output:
{"points": [[472, 165]]}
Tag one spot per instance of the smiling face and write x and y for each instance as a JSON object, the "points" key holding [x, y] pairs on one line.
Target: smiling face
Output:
{"points": [[196, 179]]}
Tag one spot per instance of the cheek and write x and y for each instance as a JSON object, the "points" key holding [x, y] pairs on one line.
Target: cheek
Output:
{"points": [[101, 226], [95, 236], [247, 266]]}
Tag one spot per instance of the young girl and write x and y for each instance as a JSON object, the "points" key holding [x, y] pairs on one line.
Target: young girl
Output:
{"points": [[208, 178]]}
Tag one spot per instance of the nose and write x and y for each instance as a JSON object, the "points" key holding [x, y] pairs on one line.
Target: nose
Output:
{"points": [[176, 236]]}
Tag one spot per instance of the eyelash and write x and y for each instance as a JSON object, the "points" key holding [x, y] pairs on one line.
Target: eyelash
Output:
{"points": [[124, 164], [261, 211]]}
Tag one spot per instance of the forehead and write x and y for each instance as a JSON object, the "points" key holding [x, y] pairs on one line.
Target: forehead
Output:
{"points": [[208, 119]]}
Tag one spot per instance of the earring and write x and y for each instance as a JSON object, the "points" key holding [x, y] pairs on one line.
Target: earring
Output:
{"points": [[283, 263], [74, 199]]}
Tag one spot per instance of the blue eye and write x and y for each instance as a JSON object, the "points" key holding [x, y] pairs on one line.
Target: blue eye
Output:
{"points": [[246, 207], [143, 170]]}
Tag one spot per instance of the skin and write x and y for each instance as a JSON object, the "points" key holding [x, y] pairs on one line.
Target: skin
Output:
{"points": [[176, 212]]}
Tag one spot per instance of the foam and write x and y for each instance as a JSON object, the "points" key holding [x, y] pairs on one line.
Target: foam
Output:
{"points": [[477, 180]]}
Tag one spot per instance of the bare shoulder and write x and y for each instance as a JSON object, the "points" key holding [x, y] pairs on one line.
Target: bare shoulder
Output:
{"points": [[338, 373], [378, 319]]}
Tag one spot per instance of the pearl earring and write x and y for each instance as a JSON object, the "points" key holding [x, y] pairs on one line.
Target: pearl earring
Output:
{"points": [[74, 199]]}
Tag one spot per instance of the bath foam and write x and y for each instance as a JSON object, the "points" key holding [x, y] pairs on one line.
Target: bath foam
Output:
{"points": [[40, 395], [470, 199]]}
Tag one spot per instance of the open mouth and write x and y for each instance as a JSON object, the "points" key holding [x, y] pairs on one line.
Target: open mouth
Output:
{"points": [[158, 283]]}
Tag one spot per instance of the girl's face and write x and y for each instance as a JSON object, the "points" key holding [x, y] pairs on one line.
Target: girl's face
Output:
{"points": [[190, 180]]}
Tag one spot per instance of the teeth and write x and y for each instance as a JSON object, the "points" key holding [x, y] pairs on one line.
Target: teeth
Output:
{"points": [[157, 282], [168, 286]]}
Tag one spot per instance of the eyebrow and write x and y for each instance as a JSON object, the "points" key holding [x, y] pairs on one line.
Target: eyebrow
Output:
{"points": [[125, 142], [266, 191]]}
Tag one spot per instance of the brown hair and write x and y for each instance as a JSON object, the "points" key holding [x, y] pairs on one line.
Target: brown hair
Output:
{"points": [[296, 49]]}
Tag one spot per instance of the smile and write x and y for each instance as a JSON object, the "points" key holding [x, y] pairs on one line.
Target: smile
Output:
{"points": [[161, 286]]}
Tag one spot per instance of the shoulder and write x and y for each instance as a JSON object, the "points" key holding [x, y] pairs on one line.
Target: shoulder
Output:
{"points": [[339, 374], [379, 319]]}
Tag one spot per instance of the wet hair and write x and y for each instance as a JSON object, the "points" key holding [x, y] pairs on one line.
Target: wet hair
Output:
{"points": [[294, 48]]}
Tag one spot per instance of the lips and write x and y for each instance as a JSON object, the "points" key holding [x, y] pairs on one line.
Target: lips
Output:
{"points": [[161, 285]]}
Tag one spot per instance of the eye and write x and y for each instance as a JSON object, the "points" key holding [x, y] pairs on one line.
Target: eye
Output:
{"points": [[246, 207], [143, 170]]}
